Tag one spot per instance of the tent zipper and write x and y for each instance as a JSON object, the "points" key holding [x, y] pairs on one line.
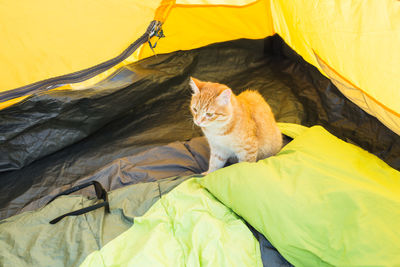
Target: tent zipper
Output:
{"points": [[154, 29]]}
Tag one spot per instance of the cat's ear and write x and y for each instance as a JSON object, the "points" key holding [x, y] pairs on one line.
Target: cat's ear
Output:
{"points": [[224, 98], [194, 84]]}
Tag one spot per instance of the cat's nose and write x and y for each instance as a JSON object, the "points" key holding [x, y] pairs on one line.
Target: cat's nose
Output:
{"points": [[199, 121]]}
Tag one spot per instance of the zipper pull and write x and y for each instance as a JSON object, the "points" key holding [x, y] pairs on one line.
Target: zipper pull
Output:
{"points": [[155, 31]]}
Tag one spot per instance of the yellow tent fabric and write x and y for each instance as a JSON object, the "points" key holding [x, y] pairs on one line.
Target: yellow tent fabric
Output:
{"points": [[357, 40], [192, 26], [355, 43], [44, 39]]}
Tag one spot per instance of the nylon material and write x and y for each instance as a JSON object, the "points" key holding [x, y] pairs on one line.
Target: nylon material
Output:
{"points": [[41, 45], [143, 115], [202, 26], [391, 121], [343, 190], [219, 36], [307, 26], [282, 16], [11, 102], [163, 10], [94, 81], [296, 92], [293, 22], [216, 2], [175, 159], [290, 130], [269, 255], [355, 96], [328, 107], [126, 202], [340, 77], [387, 117], [21, 235], [71, 116], [94, 103], [104, 75], [71, 240], [187, 227]]}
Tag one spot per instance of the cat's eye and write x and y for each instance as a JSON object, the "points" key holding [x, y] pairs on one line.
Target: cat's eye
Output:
{"points": [[209, 114], [195, 110]]}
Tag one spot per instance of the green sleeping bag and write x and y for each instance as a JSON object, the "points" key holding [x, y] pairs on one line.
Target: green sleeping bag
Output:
{"points": [[320, 202], [186, 227]]}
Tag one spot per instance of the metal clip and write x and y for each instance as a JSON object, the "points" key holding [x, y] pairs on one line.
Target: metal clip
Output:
{"points": [[158, 32]]}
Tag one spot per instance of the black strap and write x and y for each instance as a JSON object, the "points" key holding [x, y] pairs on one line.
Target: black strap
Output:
{"points": [[101, 193]]}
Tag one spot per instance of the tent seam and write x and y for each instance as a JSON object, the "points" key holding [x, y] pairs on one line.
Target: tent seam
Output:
{"points": [[356, 87]]}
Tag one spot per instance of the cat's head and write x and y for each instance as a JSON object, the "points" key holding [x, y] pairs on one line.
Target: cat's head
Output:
{"points": [[211, 103]]}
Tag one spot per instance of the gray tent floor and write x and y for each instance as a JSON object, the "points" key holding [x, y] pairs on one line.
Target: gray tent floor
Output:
{"points": [[177, 159]]}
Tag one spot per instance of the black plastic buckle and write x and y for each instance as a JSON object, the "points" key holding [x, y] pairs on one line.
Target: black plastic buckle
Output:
{"points": [[101, 193]]}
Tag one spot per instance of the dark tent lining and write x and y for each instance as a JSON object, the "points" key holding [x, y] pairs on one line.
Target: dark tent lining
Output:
{"points": [[53, 139], [158, 170]]}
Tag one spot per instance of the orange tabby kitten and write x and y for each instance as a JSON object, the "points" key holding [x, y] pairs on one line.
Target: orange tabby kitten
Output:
{"points": [[241, 126]]}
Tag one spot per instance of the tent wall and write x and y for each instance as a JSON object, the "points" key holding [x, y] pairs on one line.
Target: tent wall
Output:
{"points": [[44, 39], [354, 43], [45, 43], [192, 26]]}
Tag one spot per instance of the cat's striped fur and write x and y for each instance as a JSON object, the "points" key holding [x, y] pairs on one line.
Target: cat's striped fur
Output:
{"points": [[240, 126]]}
